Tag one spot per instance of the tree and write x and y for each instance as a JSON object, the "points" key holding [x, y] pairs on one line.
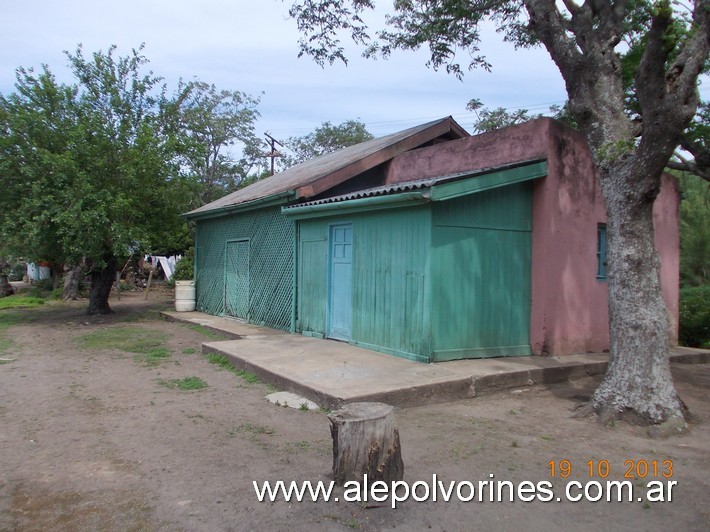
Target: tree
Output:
{"points": [[694, 231], [630, 150], [492, 119], [215, 126], [326, 138], [88, 169]]}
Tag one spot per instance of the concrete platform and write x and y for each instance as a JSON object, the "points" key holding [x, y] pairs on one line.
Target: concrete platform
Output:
{"points": [[333, 373], [230, 327]]}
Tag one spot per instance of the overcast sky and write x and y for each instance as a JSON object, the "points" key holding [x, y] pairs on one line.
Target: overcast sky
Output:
{"points": [[252, 46]]}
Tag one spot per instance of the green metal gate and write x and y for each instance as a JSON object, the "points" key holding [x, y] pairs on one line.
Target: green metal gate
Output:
{"points": [[249, 256], [236, 279]]}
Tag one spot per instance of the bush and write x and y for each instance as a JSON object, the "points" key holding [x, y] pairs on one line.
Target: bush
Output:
{"points": [[695, 316], [17, 272], [184, 268]]}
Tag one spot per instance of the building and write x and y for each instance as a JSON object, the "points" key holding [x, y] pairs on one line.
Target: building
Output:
{"points": [[429, 244]]}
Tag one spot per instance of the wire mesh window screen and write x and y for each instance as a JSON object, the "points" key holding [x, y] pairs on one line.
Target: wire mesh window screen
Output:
{"points": [[270, 262]]}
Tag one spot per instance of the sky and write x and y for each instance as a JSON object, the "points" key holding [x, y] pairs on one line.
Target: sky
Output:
{"points": [[252, 46]]}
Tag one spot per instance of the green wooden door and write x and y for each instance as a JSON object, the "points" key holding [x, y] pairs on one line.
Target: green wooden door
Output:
{"points": [[340, 298], [236, 285]]}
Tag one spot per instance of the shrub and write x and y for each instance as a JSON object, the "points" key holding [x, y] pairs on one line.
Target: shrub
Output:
{"points": [[17, 272], [184, 267], [695, 316]]}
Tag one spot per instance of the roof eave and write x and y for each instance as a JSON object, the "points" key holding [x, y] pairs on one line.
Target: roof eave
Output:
{"points": [[267, 201]]}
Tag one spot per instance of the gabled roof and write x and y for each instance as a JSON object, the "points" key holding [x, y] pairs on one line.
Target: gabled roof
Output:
{"points": [[320, 174]]}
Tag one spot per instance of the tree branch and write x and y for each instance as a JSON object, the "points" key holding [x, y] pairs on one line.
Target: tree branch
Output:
{"points": [[685, 165], [668, 97], [551, 28]]}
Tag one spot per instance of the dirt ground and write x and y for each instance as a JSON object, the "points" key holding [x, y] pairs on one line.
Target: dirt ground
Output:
{"points": [[92, 439]]}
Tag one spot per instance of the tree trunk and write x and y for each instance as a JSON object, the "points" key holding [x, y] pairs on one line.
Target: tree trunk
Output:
{"points": [[5, 287], [101, 284], [638, 384], [365, 442], [72, 277]]}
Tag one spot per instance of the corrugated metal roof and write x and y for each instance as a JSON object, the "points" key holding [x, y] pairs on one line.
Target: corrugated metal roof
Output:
{"points": [[409, 186], [316, 175], [375, 191]]}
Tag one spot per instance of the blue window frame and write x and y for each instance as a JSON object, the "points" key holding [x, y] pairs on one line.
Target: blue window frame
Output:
{"points": [[601, 251]]}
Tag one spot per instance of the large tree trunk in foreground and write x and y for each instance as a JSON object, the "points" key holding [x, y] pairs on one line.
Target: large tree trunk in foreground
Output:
{"points": [[638, 383], [629, 156], [365, 442], [101, 283]]}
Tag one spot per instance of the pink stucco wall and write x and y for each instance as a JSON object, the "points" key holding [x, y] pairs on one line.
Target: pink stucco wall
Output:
{"points": [[569, 304]]}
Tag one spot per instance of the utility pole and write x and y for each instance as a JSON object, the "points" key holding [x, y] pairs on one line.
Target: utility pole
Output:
{"points": [[273, 152]]}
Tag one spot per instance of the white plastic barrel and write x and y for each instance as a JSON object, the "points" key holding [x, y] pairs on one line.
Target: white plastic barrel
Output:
{"points": [[184, 296]]}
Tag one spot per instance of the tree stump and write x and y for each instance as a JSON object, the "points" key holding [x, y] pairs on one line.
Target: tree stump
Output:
{"points": [[365, 441]]}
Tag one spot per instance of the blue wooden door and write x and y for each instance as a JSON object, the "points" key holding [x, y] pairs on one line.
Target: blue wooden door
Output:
{"points": [[340, 281], [236, 283]]}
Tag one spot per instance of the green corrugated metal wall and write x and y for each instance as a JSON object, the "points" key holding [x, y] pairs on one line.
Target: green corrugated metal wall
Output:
{"points": [[442, 281], [390, 264], [481, 274], [268, 238]]}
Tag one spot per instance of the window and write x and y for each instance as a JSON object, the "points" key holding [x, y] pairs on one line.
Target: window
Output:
{"points": [[601, 251]]}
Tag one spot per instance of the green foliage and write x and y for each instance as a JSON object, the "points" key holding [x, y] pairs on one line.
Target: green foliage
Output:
{"points": [[185, 384], [211, 123], [17, 272], [694, 231], [325, 139], [103, 166], [694, 330], [224, 363], [492, 119], [18, 301], [153, 356], [184, 269], [131, 339], [209, 333], [95, 157]]}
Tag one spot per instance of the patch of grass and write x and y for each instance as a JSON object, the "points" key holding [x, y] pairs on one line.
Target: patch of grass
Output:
{"points": [[147, 344], [214, 335], [185, 384], [254, 430], [251, 378], [20, 302], [153, 356], [129, 339], [141, 316], [7, 320], [303, 406], [189, 351], [224, 363]]}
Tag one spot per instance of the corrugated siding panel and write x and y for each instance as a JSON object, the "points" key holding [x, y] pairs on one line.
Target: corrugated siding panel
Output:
{"points": [[312, 277], [481, 274], [390, 274], [390, 280], [270, 277]]}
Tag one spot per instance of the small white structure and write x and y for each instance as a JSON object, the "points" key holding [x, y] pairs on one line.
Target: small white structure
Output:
{"points": [[37, 273]]}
